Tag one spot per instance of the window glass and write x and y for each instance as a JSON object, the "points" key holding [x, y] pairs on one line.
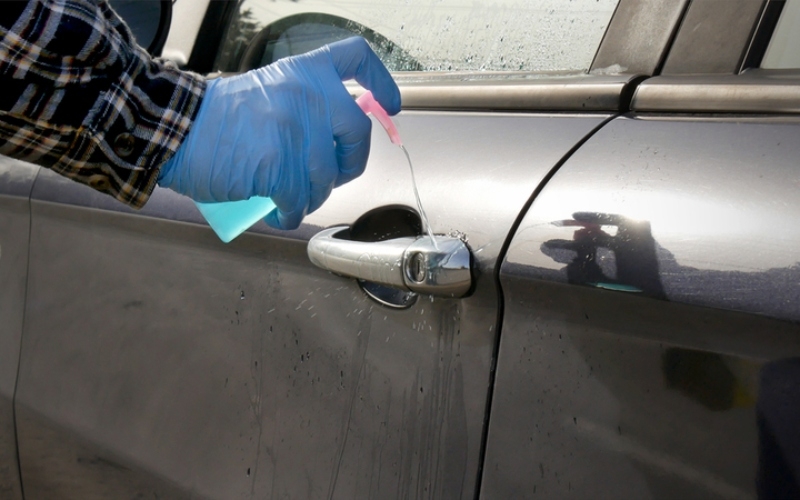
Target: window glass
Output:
{"points": [[783, 52], [143, 19], [425, 35]]}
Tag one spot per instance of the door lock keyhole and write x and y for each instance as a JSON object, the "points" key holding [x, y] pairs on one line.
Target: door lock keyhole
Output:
{"points": [[417, 268]]}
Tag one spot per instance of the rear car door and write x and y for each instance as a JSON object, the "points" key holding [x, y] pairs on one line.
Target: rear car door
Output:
{"points": [[649, 343], [158, 361]]}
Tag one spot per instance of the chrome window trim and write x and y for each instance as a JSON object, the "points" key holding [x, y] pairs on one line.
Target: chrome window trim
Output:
{"points": [[512, 92], [756, 91]]}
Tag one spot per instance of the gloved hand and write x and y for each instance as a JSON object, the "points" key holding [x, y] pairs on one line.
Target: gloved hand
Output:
{"points": [[289, 131]]}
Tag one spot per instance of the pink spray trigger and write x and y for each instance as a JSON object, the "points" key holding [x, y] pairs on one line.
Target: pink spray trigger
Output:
{"points": [[368, 105]]}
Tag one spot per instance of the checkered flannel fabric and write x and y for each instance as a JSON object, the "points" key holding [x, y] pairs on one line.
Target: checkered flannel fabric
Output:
{"points": [[79, 96]]}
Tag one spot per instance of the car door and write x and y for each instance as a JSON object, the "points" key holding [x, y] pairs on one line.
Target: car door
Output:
{"points": [[158, 361], [16, 181], [649, 342]]}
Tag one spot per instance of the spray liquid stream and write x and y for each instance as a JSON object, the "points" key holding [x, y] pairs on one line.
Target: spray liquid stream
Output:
{"points": [[426, 225], [231, 218], [369, 105]]}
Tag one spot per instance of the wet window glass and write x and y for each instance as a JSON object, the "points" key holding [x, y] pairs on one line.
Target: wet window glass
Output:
{"points": [[425, 35], [782, 52]]}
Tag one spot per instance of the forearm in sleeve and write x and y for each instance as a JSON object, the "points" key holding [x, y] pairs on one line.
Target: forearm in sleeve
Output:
{"points": [[81, 98]]}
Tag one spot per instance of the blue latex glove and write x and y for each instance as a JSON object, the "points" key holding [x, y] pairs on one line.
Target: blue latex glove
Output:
{"points": [[289, 131]]}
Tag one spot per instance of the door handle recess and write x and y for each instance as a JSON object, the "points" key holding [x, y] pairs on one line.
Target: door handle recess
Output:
{"points": [[413, 264]]}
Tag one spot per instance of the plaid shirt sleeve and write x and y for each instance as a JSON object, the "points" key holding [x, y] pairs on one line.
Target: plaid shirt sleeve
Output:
{"points": [[81, 98]]}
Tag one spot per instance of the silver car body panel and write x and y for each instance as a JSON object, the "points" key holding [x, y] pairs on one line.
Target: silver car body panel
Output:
{"points": [[199, 369], [16, 182], [651, 307]]}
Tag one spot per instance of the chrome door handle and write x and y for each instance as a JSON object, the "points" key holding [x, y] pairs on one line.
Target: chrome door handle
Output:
{"points": [[412, 263]]}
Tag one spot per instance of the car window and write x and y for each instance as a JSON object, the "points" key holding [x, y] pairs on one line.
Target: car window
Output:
{"points": [[425, 35], [782, 51]]}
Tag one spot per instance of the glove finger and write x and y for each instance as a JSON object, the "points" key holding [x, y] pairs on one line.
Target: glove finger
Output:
{"points": [[354, 59], [291, 198], [352, 130], [319, 193], [323, 169], [285, 220]]}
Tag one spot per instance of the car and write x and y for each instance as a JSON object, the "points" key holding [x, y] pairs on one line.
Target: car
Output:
{"points": [[623, 178]]}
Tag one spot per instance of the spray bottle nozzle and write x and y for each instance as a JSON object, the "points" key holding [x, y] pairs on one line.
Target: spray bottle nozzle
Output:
{"points": [[368, 105]]}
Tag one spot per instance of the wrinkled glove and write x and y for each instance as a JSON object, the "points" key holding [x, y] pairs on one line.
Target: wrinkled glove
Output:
{"points": [[289, 131]]}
